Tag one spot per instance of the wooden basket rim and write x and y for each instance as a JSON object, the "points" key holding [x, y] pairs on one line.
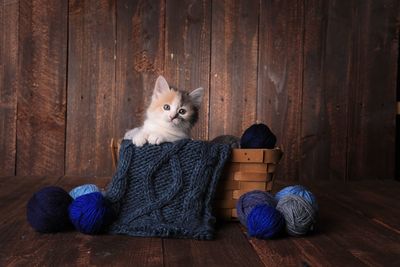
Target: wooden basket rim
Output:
{"points": [[239, 155], [256, 155]]}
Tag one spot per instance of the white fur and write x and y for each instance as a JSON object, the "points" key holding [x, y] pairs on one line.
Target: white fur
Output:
{"points": [[159, 128]]}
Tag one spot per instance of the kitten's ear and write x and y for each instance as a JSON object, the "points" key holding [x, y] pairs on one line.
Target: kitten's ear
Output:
{"points": [[197, 96], [160, 87]]}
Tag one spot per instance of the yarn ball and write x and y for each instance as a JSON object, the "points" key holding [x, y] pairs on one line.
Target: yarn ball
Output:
{"points": [[264, 221], [298, 190], [232, 141], [299, 214], [83, 190], [47, 210], [91, 213], [249, 200], [258, 136]]}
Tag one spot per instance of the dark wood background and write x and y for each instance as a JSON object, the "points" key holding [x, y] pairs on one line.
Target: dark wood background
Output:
{"points": [[322, 74]]}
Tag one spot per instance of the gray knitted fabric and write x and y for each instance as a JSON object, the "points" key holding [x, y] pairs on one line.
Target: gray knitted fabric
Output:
{"points": [[166, 190]]}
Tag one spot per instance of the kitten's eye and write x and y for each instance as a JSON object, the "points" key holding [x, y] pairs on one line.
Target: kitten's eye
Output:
{"points": [[182, 111], [166, 107]]}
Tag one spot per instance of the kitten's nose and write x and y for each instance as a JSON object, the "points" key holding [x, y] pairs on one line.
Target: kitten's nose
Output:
{"points": [[173, 117]]}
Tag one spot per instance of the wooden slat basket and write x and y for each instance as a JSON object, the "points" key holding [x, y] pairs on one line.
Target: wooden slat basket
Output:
{"points": [[247, 170]]}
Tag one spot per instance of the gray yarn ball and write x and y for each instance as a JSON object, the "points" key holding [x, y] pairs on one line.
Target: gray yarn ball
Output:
{"points": [[249, 200], [232, 141], [299, 214]]}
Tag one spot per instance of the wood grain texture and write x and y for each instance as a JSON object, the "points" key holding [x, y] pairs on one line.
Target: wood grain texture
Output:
{"points": [[187, 52], [8, 136], [13, 225], [140, 59], [372, 110], [101, 250], [327, 62], [321, 74], [315, 142], [371, 198], [279, 97], [229, 249], [91, 87], [397, 156], [234, 47], [41, 87], [294, 252], [358, 226], [346, 217], [345, 226], [9, 14], [69, 248]]}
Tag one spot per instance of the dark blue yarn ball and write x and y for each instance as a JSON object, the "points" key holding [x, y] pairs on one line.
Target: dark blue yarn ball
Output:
{"points": [[47, 210], [249, 200], [258, 136], [264, 221], [91, 213]]}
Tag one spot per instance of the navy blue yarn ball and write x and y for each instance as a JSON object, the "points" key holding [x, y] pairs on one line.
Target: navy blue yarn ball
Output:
{"points": [[249, 200], [258, 136], [91, 213], [47, 210], [265, 221]]}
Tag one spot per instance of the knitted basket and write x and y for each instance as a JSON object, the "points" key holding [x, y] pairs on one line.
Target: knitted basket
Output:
{"points": [[247, 170]]}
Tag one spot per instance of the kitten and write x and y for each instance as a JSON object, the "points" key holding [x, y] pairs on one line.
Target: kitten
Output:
{"points": [[170, 116]]}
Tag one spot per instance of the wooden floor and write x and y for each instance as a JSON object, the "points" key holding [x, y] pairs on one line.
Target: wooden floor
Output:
{"points": [[359, 226]]}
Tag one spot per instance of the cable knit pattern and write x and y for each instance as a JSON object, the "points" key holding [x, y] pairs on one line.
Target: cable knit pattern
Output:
{"points": [[166, 190]]}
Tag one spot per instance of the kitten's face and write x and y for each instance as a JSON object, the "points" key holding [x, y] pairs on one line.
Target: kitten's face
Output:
{"points": [[174, 107]]}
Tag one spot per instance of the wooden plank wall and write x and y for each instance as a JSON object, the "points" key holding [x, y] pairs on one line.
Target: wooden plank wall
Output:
{"points": [[322, 74], [91, 86], [8, 87], [33, 86]]}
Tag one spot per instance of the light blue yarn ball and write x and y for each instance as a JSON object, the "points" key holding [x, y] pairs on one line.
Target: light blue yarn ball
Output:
{"points": [[298, 190], [83, 190]]}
